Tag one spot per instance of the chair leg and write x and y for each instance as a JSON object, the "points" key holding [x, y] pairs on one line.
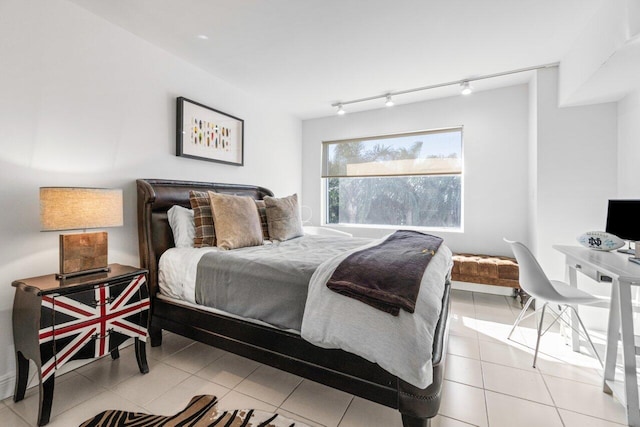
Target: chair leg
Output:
{"points": [[593, 347], [520, 316], [535, 355]]}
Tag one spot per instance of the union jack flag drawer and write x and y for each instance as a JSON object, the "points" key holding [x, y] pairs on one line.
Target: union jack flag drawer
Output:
{"points": [[58, 320], [93, 322]]}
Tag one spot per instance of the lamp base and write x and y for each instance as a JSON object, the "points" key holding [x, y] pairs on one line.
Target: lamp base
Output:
{"points": [[83, 253], [61, 276]]}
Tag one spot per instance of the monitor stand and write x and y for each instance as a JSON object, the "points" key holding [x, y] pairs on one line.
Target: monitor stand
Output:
{"points": [[636, 255], [628, 250]]}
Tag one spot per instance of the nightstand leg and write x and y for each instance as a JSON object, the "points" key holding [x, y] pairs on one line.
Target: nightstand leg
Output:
{"points": [[22, 375], [155, 334], [141, 356], [46, 400], [115, 353]]}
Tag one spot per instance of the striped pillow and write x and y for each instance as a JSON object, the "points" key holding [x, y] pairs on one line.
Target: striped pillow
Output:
{"points": [[262, 210], [203, 219]]}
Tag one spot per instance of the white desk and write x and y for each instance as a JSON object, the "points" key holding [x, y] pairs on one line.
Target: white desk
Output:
{"points": [[614, 268]]}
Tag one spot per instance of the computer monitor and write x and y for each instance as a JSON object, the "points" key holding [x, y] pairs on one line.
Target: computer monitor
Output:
{"points": [[623, 219]]}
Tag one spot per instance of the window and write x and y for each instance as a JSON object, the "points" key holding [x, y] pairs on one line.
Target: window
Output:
{"points": [[412, 179]]}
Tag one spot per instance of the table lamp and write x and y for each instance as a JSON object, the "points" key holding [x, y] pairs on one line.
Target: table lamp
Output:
{"points": [[77, 208]]}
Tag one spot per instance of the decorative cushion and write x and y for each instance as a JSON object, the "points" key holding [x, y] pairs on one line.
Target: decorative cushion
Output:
{"points": [[203, 219], [182, 226], [485, 269], [262, 210], [236, 221], [283, 217]]}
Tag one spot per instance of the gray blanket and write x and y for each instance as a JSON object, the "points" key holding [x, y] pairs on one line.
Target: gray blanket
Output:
{"points": [[268, 282]]}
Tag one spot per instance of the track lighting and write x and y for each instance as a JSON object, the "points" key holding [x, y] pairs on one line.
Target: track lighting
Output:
{"points": [[389, 102], [465, 88]]}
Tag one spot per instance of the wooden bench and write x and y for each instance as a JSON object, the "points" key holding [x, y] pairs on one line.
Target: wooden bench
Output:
{"points": [[487, 270]]}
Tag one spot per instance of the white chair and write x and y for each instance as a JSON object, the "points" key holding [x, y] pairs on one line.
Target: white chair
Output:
{"points": [[535, 282]]}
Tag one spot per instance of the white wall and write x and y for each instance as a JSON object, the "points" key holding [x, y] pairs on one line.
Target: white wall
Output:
{"points": [[85, 103], [576, 152], [495, 160], [629, 146]]}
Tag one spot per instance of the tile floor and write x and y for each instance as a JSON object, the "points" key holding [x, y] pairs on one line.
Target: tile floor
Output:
{"points": [[489, 381]]}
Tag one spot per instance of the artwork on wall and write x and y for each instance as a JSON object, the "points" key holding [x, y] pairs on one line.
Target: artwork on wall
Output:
{"points": [[207, 134]]}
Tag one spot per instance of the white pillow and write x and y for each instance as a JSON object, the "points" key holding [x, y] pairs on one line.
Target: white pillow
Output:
{"points": [[182, 226]]}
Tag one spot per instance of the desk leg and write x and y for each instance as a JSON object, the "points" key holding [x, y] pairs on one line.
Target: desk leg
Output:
{"points": [[629, 354], [613, 334], [575, 336]]}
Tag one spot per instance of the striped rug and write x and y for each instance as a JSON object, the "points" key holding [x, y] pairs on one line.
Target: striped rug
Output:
{"points": [[200, 412]]}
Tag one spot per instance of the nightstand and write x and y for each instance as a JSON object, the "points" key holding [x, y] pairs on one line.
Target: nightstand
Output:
{"points": [[55, 321]]}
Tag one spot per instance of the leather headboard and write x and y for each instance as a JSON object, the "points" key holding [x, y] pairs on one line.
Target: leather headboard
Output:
{"points": [[155, 198]]}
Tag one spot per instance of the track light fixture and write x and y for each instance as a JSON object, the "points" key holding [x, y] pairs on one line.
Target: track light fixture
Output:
{"points": [[464, 85], [465, 88], [389, 102]]}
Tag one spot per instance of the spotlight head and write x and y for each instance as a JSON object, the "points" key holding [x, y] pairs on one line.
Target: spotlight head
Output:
{"points": [[340, 111], [465, 88], [389, 102]]}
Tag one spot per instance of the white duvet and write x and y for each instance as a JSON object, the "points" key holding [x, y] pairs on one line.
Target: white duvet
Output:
{"points": [[401, 345]]}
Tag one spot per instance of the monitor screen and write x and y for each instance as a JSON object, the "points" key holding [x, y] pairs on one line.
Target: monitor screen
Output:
{"points": [[623, 219]]}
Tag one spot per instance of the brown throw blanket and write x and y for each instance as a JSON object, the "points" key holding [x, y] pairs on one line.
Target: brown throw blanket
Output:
{"points": [[387, 276]]}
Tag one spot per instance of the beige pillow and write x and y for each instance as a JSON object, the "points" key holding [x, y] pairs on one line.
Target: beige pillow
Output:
{"points": [[236, 221], [283, 217]]}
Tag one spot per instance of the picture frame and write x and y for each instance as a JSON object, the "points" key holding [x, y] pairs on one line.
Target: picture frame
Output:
{"points": [[205, 133]]}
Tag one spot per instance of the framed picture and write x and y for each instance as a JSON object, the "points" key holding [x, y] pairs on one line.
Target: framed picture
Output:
{"points": [[207, 134]]}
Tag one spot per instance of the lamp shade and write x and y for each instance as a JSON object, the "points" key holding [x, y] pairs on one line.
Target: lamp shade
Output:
{"points": [[72, 208]]}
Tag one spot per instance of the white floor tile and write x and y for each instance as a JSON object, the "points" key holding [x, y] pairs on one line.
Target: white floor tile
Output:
{"points": [[463, 325], [177, 398], [318, 402], [463, 370], [194, 357], [442, 421], [108, 373], [68, 393], [463, 403], [229, 370], [297, 417], [145, 388], [585, 399], [464, 346], [364, 413], [515, 382], [171, 343], [10, 419], [269, 384], [92, 407], [235, 400], [573, 419], [507, 411], [510, 354]]}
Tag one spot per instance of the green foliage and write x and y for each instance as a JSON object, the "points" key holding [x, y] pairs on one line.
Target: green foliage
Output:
{"points": [[423, 201]]}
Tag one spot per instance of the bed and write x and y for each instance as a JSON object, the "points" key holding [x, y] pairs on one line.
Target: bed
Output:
{"points": [[282, 349]]}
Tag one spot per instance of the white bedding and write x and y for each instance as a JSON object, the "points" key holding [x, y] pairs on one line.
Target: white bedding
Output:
{"points": [[401, 345], [177, 272]]}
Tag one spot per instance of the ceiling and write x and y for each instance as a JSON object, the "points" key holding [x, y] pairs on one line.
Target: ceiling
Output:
{"points": [[305, 55]]}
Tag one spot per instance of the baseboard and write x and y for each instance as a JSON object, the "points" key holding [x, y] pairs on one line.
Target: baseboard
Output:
{"points": [[7, 382], [479, 287]]}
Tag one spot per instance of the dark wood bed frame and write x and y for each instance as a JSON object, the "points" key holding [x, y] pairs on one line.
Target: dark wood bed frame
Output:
{"points": [[283, 350]]}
